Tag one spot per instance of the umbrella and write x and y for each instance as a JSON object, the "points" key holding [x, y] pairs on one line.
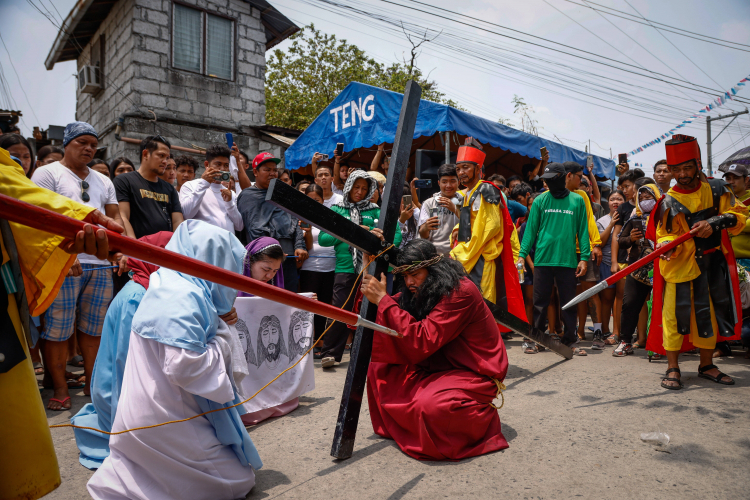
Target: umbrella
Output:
{"points": [[741, 157]]}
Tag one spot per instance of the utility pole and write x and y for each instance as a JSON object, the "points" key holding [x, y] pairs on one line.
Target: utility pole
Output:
{"points": [[710, 141]]}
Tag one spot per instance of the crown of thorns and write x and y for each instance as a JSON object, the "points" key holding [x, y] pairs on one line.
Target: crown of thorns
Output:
{"points": [[418, 264]]}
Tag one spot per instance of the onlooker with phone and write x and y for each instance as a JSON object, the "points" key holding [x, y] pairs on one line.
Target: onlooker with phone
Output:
{"points": [[381, 162], [317, 272], [663, 176], [408, 221], [147, 203], [439, 213], [263, 219], [324, 179], [606, 226], [187, 166], [339, 173], [209, 198], [638, 284]]}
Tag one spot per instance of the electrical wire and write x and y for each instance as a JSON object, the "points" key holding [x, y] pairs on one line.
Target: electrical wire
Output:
{"points": [[10, 59]]}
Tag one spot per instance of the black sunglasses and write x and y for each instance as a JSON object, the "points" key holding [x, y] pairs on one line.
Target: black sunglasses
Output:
{"points": [[84, 195]]}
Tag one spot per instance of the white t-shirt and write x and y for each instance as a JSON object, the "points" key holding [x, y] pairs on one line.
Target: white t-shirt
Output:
{"points": [[60, 179], [202, 200], [323, 259]]}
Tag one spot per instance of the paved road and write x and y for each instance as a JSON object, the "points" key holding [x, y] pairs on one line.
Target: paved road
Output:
{"points": [[573, 428]]}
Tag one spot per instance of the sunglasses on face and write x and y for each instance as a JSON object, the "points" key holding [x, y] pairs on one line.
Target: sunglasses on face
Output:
{"points": [[84, 195]]}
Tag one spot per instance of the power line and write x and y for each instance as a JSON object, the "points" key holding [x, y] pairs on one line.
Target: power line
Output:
{"points": [[19, 80]]}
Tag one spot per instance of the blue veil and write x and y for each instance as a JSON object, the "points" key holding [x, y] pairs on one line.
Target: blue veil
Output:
{"points": [[192, 325]]}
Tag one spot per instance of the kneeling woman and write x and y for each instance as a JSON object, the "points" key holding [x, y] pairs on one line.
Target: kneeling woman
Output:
{"points": [[179, 366]]}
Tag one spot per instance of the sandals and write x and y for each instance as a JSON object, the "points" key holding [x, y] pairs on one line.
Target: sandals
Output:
{"points": [[672, 379], [62, 404], [76, 361], [38, 368], [577, 351], [529, 348], [610, 340], [718, 379]]}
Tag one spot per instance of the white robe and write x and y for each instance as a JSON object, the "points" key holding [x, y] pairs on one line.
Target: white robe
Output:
{"points": [[182, 460]]}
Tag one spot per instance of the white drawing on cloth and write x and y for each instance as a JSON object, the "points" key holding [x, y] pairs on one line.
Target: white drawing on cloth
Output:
{"points": [[247, 346], [300, 334], [270, 342]]}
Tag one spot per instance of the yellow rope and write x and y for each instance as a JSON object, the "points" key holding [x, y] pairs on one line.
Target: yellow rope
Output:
{"points": [[500, 389], [364, 268]]}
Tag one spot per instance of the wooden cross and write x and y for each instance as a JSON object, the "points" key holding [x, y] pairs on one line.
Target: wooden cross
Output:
{"points": [[307, 210]]}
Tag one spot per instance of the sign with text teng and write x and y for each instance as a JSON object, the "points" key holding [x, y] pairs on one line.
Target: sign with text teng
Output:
{"points": [[349, 112]]}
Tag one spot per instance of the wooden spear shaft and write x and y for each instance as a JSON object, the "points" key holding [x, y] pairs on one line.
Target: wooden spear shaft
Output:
{"points": [[46, 220]]}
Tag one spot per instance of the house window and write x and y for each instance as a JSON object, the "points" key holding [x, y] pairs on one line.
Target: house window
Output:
{"points": [[202, 42]]}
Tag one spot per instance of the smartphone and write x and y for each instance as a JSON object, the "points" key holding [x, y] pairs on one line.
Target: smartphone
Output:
{"points": [[304, 225], [339, 148], [544, 152], [622, 158], [230, 140], [589, 164], [406, 199], [423, 183], [433, 212]]}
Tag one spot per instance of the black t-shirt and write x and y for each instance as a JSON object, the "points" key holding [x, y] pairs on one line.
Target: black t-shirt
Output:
{"points": [[624, 211], [151, 203]]}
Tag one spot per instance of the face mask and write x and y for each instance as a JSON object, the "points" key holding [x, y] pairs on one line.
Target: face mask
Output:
{"points": [[647, 205]]}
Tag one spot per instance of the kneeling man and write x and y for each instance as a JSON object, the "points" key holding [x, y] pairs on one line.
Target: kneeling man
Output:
{"points": [[432, 390]]}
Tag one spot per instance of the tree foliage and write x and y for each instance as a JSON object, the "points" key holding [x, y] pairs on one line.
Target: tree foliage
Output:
{"points": [[302, 81]]}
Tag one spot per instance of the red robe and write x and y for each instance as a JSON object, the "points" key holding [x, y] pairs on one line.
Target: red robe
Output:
{"points": [[431, 390]]}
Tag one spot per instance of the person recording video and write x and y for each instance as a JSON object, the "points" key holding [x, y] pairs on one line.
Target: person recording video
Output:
{"points": [[439, 214]]}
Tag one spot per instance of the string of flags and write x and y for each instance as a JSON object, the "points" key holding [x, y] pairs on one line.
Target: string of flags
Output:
{"points": [[718, 102]]}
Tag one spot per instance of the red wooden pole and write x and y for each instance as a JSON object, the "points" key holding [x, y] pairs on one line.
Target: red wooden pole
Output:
{"points": [[632, 267], [42, 219]]}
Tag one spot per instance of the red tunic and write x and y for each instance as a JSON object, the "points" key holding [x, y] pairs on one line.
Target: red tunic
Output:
{"points": [[431, 390]]}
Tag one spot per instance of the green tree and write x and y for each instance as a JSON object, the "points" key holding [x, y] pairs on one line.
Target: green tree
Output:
{"points": [[528, 123], [302, 81]]}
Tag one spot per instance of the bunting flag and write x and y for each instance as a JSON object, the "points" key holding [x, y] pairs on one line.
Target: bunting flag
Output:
{"points": [[720, 101]]}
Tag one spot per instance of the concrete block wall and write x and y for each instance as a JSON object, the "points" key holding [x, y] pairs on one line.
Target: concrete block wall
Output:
{"points": [[139, 77]]}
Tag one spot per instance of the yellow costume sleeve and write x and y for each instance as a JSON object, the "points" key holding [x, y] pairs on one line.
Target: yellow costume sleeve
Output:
{"points": [[43, 264], [731, 205], [594, 237], [486, 241], [515, 244]]}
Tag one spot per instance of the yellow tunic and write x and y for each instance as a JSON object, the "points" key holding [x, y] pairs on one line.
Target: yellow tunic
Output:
{"points": [[31, 470], [741, 242], [683, 267], [594, 237], [486, 241]]}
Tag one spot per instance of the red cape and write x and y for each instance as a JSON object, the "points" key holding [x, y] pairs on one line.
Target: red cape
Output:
{"points": [[510, 274], [655, 333]]}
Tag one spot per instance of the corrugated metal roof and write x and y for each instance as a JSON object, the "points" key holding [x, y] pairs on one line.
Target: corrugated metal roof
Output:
{"points": [[86, 17], [286, 140]]}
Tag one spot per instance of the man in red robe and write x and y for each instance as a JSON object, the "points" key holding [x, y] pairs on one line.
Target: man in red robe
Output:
{"points": [[432, 390]]}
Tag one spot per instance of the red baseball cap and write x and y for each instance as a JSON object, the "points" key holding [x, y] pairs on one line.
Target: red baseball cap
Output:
{"points": [[264, 157]]}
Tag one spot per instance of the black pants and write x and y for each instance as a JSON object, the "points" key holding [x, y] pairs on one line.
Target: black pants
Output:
{"points": [[334, 342], [289, 268], [322, 284], [564, 278], [635, 295]]}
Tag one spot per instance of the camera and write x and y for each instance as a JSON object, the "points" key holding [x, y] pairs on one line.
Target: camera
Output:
{"points": [[224, 176], [324, 157]]}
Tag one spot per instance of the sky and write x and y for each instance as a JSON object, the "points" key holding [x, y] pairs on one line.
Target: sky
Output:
{"points": [[484, 83]]}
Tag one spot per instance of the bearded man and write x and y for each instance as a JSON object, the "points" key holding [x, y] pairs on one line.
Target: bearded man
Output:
{"points": [[270, 341], [696, 290], [432, 390]]}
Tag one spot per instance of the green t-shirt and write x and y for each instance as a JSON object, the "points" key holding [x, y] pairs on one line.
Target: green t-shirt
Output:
{"points": [[553, 225], [344, 263]]}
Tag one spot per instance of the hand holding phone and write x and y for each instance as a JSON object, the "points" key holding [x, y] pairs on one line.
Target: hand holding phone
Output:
{"points": [[423, 183]]}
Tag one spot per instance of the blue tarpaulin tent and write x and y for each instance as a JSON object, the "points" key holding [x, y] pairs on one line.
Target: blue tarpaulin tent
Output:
{"points": [[362, 117]]}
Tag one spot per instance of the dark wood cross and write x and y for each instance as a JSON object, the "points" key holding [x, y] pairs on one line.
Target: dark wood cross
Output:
{"points": [[307, 210]]}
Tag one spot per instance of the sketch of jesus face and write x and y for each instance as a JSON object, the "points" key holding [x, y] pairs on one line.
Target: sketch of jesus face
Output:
{"points": [[270, 337], [299, 333]]}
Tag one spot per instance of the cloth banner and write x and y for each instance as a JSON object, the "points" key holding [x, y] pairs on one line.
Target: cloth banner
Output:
{"points": [[274, 337]]}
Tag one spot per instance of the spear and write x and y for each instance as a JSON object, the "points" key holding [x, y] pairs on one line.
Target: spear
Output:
{"points": [[46, 220], [602, 285]]}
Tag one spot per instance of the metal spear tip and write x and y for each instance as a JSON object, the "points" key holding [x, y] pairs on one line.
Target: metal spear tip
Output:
{"points": [[379, 328], [587, 294]]}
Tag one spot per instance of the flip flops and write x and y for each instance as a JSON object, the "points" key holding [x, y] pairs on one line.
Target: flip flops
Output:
{"points": [[62, 404], [76, 361]]}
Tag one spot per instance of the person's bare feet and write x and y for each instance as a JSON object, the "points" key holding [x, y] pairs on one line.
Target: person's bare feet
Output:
{"points": [[60, 400]]}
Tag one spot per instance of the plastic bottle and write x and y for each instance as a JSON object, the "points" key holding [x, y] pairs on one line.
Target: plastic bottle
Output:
{"points": [[520, 273]]}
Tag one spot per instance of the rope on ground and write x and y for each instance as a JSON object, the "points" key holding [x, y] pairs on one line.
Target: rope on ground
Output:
{"points": [[364, 268]]}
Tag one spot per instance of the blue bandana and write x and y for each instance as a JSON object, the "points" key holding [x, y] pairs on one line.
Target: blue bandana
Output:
{"points": [[77, 129]]}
